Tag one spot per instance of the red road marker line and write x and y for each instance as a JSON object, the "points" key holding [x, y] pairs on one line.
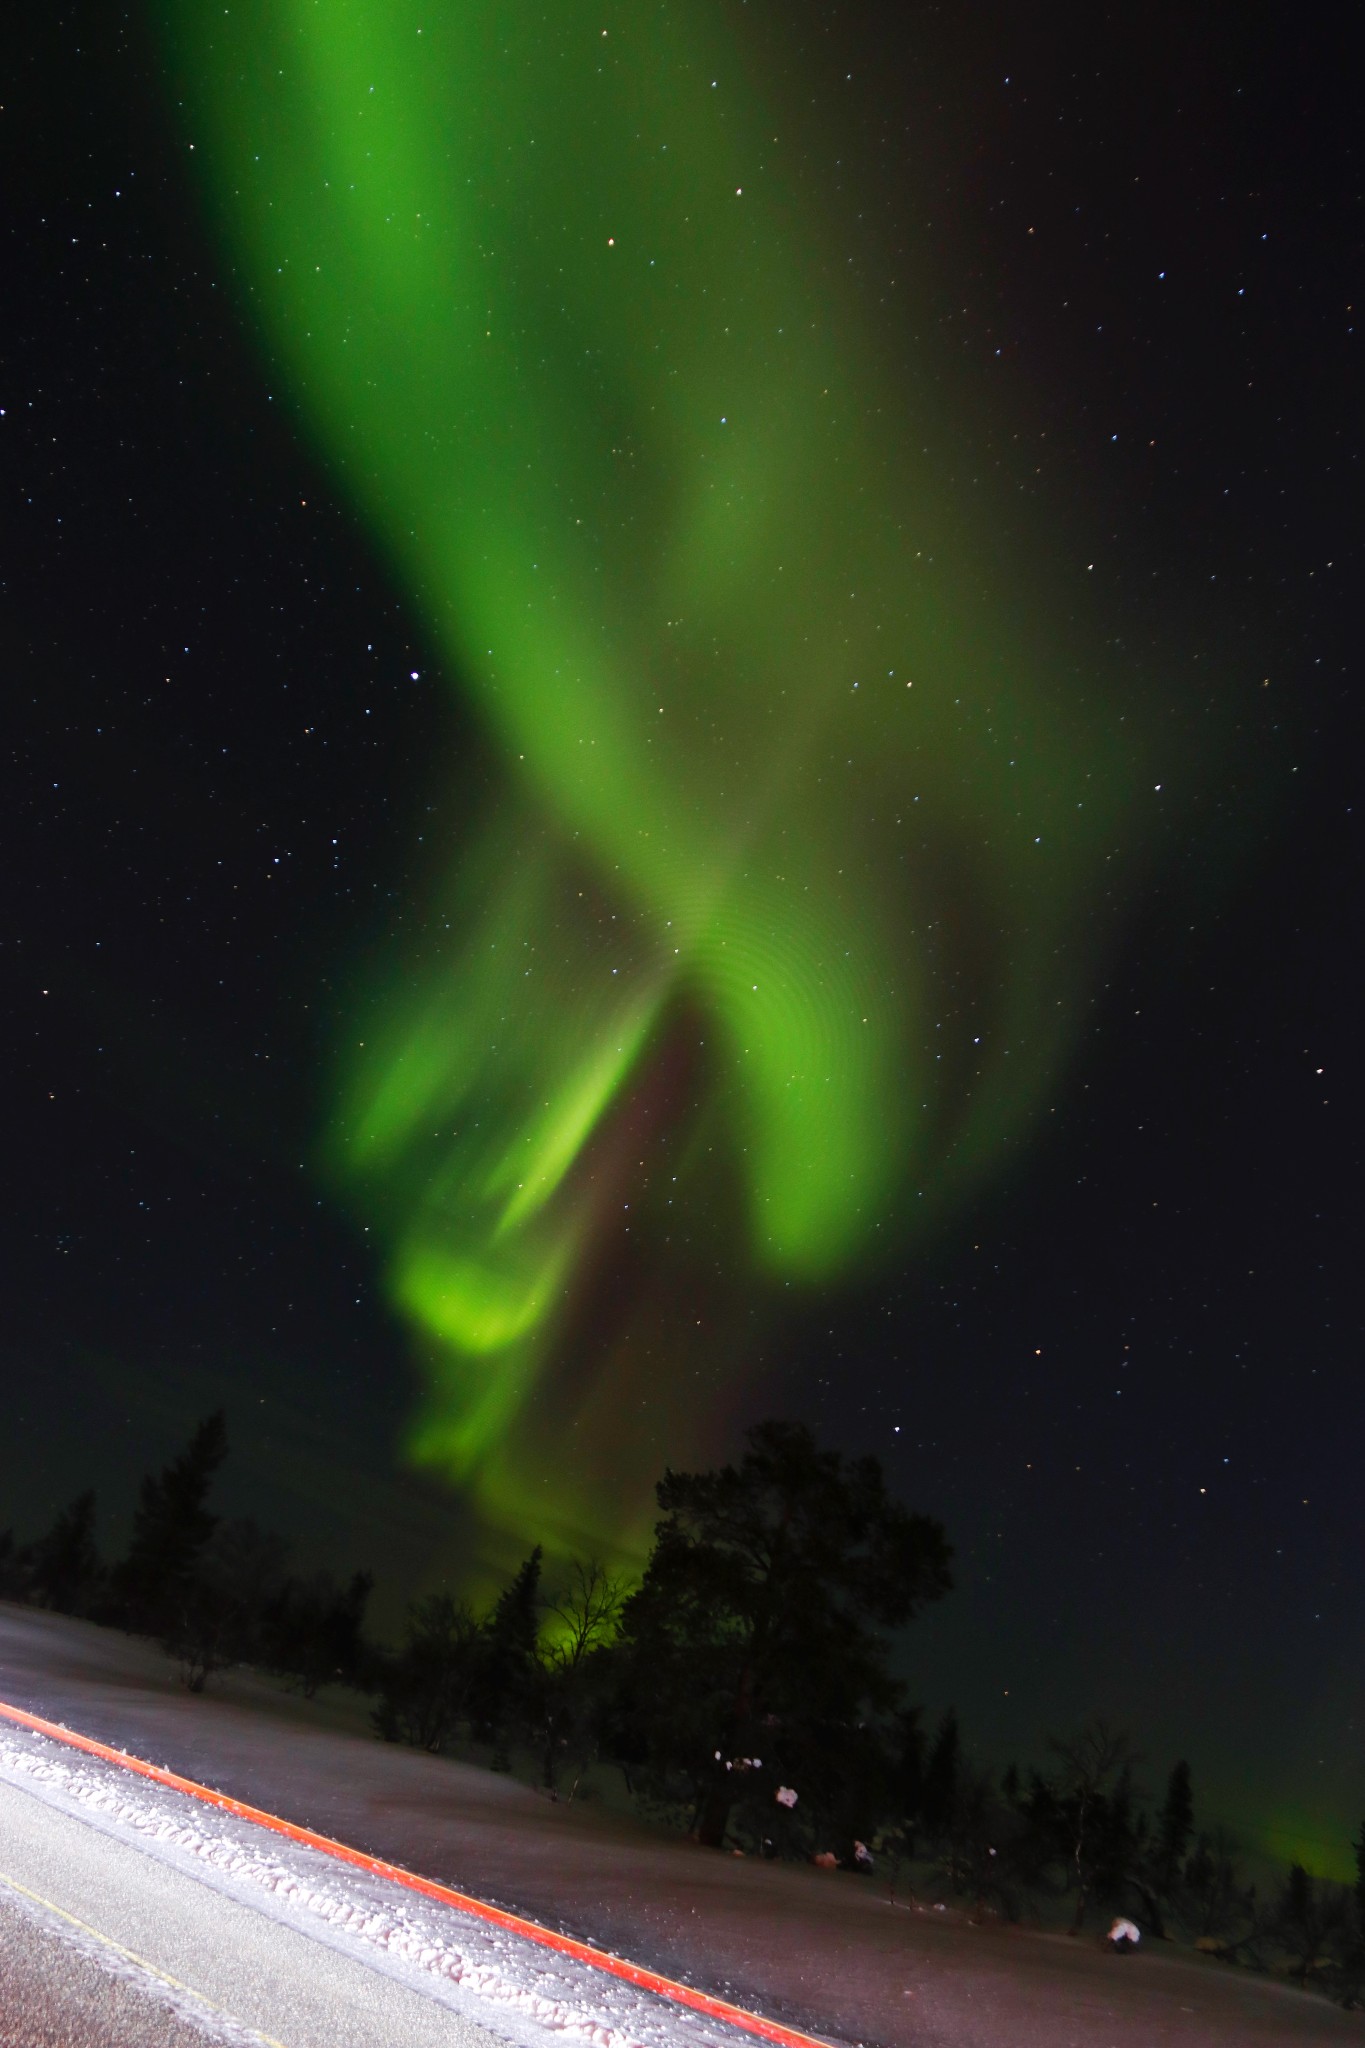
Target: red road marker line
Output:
{"points": [[478, 1909]]}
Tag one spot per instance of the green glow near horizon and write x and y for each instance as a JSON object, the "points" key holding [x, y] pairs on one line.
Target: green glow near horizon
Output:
{"points": [[783, 749]]}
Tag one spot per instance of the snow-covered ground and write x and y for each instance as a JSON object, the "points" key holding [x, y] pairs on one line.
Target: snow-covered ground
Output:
{"points": [[523, 1993], [823, 1951]]}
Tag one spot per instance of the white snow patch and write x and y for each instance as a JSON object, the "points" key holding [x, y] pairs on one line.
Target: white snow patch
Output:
{"points": [[533, 1993]]}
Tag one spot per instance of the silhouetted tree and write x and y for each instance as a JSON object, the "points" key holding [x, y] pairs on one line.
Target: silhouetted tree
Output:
{"points": [[572, 1690], [1157, 1870], [940, 1777], [14, 1568], [509, 1669], [845, 1769], [1349, 1944], [64, 1566], [1119, 1835], [1306, 1918], [313, 1631], [427, 1687], [1176, 1824], [214, 1616], [1217, 1906], [1088, 1810], [171, 1526], [905, 1803], [758, 1629], [1173, 1829], [977, 1841]]}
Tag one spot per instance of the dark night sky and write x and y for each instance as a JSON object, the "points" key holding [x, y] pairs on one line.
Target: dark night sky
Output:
{"points": [[1128, 1378]]}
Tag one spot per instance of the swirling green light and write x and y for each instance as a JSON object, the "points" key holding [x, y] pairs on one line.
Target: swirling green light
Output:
{"points": [[779, 746]]}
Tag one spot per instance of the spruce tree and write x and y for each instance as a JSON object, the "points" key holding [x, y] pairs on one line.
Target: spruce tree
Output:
{"points": [[941, 1776], [170, 1528], [510, 1667], [1176, 1827], [64, 1563], [15, 1562]]}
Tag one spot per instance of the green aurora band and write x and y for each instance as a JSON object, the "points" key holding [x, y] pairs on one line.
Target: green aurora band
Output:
{"points": [[792, 765]]}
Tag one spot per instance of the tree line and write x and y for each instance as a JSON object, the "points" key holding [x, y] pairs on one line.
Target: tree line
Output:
{"points": [[213, 1592], [743, 1686]]}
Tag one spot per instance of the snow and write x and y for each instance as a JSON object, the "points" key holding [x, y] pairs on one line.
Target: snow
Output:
{"points": [[504, 1981], [824, 1951]]}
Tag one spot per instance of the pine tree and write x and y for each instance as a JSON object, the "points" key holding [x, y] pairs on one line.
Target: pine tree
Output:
{"points": [[170, 1528], [760, 1628]]}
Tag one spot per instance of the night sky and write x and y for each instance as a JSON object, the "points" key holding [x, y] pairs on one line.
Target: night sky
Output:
{"points": [[1114, 257]]}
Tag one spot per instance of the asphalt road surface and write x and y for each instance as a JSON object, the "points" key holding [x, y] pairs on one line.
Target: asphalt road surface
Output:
{"points": [[103, 1946], [61, 1989]]}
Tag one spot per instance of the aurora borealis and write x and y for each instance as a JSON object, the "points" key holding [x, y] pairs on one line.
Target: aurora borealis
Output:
{"points": [[1085, 351], [790, 752]]}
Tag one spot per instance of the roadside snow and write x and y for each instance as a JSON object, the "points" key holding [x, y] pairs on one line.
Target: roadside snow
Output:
{"points": [[527, 1994], [823, 1951]]}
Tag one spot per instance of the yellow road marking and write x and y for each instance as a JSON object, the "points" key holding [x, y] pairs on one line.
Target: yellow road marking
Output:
{"points": [[130, 1955]]}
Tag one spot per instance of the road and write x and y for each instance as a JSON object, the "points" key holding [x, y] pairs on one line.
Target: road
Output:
{"points": [[820, 1951], [103, 1944]]}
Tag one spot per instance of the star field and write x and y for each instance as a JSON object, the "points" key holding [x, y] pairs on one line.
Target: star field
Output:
{"points": [[1116, 268]]}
